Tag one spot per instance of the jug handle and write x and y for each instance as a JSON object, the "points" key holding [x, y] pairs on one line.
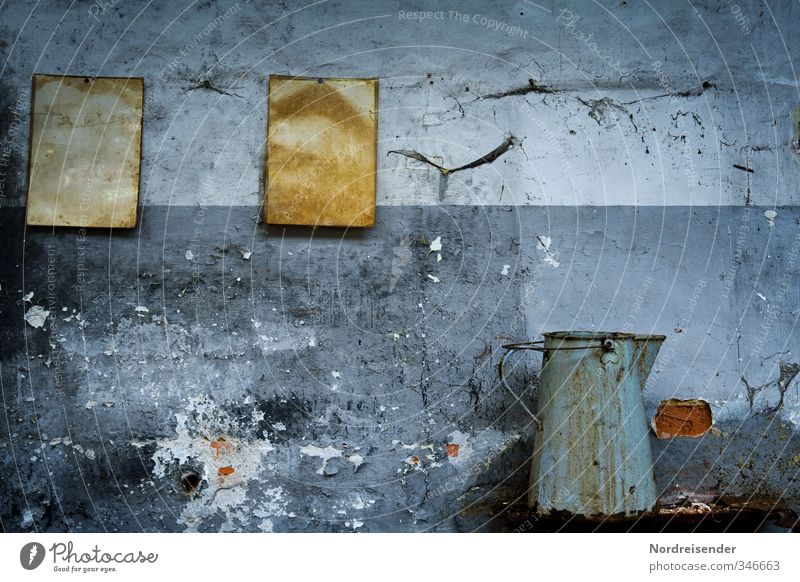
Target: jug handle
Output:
{"points": [[512, 349], [606, 344]]}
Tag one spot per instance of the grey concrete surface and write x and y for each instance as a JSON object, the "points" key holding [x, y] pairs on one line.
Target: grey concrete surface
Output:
{"points": [[338, 371], [331, 369]]}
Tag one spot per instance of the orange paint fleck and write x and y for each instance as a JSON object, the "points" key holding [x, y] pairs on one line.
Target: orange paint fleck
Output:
{"points": [[225, 471], [415, 460], [452, 450], [221, 447]]}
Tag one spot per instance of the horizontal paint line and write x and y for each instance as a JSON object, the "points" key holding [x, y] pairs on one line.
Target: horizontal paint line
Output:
{"points": [[259, 209]]}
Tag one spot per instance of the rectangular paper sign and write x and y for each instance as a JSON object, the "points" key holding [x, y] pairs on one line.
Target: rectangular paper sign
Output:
{"points": [[85, 151], [321, 148]]}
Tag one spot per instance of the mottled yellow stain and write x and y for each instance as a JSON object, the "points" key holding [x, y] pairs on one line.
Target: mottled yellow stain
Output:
{"points": [[85, 151], [321, 151]]}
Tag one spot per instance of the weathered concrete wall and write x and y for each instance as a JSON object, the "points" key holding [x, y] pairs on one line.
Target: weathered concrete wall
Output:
{"points": [[338, 366]]}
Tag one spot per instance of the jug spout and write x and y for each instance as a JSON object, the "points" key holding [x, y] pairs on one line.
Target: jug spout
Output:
{"points": [[646, 349]]}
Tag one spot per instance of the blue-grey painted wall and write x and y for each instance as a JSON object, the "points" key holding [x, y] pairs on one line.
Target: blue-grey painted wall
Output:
{"points": [[338, 365]]}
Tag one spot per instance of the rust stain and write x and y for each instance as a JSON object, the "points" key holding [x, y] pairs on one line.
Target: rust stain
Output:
{"points": [[321, 151], [225, 471], [452, 450], [221, 447], [588, 460], [85, 151], [677, 418], [415, 460]]}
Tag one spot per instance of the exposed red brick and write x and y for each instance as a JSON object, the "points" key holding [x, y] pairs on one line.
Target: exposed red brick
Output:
{"points": [[677, 418]]}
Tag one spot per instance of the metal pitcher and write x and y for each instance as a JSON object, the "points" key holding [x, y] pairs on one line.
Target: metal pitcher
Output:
{"points": [[592, 455]]}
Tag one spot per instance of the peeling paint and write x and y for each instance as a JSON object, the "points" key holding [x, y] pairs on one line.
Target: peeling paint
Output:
{"points": [[405, 386], [357, 461], [510, 142], [544, 246], [205, 439], [460, 443], [325, 453], [36, 316], [605, 111]]}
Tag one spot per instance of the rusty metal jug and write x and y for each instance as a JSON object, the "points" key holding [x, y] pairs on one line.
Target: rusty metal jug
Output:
{"points": [[592, 455]]}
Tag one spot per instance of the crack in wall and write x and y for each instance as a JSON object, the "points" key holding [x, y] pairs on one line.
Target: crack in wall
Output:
{"points": [[205, 84], [788, 372], [531, 87], [683, 94]]}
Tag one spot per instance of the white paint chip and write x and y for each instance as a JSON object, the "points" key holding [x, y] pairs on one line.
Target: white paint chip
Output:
{"points": [[433, 278], [189, 255], [246, 254], [549, 256], [357, 461], [36, 316], [436, 245], [27, 298], [505, 269], [770, 215], [760, 296], [544, 242], [326, 454]]}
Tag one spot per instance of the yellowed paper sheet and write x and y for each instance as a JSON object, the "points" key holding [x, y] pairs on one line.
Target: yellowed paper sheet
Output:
{"points": [[86, 136], [321, 151]]}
